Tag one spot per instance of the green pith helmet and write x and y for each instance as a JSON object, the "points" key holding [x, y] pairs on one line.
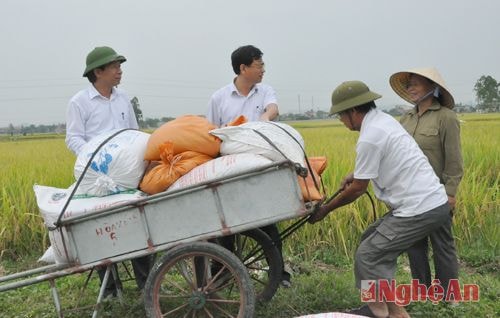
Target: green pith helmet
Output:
{"points": [[101, 56], [351, 94]]}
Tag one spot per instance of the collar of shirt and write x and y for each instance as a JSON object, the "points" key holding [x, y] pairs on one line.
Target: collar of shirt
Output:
{"points": [[234, 90], [434, 106], [93, 93], [368, 117]]}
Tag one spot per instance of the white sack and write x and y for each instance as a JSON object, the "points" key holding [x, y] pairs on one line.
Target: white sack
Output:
{"points": [[243, 139], [48, 256], [118, 165], [332, 315], [52, 200], [220, 167]]}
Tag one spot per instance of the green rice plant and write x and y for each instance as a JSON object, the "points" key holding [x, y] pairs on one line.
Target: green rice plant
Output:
{"points": [[23, 164], [46, 161]]}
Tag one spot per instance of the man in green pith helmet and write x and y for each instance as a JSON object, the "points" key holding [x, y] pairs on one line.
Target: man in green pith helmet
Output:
{"points": [[99, 108], [402, 178]]}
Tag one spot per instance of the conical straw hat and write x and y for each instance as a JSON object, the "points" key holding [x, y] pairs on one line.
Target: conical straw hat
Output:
{"points": [[399, 82]]}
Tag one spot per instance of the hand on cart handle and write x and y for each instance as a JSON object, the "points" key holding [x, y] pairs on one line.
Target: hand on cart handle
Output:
{"points": [[320, 210], [318, 213]]}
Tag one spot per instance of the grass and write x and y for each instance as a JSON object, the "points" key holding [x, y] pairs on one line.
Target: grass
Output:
{"points": [[320, 254], [317, 287]]}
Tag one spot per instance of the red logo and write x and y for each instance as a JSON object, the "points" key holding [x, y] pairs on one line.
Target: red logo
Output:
{"points": [[403, 294]]}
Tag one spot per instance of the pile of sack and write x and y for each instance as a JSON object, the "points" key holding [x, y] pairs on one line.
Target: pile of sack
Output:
{"points": [[189, 150]]}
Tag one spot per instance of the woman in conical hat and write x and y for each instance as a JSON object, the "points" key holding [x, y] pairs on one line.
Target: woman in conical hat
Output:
{"points": [[436, 130]]}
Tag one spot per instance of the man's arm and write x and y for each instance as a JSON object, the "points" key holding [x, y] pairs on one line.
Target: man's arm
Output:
{"points": [[352, 189], [270, 113], [133, 123], [75, 129]]}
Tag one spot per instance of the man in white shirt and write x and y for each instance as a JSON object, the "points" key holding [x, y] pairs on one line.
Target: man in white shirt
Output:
{"points": [[402, 177], [100, 108], [245, 95]]}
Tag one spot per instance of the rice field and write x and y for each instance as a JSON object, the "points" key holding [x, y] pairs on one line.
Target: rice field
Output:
{"points": [[46, 161]]}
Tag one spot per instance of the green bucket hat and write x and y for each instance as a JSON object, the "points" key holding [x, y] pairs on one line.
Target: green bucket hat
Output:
{"points": [[101, 56], [351, 94]]}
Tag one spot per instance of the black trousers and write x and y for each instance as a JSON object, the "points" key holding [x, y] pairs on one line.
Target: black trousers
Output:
{"points": [[274, 234], [444, 255], [141, 267]]}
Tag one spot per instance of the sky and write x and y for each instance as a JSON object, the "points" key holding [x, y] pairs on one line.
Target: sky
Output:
{"points": [[178, 52]]}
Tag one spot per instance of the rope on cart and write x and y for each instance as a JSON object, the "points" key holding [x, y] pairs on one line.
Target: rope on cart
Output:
{"points": [[303, 151], [58, 222]]}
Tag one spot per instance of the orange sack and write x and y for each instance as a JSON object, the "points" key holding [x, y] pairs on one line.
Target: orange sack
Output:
{"points": [[188, 133], [318, 164], [307, 186], [171, 167], [240, 120]]}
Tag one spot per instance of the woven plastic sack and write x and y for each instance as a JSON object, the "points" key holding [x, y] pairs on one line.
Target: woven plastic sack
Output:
{"points": [[248, 138], [118, 166], [188, 133], [51, 202], [219, 168], [171, 168], [311, 188], [332, 315]]}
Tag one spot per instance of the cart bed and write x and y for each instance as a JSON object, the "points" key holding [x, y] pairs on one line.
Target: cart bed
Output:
{"points": [[220, 207]]}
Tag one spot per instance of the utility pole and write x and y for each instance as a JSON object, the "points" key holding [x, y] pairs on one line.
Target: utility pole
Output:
{"points": [[299, 102]]}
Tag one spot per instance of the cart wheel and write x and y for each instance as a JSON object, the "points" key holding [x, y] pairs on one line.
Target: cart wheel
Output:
{"points": [[262, 260], [182, 284]]}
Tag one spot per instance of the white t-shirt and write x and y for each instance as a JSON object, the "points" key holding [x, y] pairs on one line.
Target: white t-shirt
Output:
{"points": [[401, 174], [226, 104], [90, 114]]}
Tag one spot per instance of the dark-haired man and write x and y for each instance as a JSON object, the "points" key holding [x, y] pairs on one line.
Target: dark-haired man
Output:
{"points": [[99, 108], [245, 95], [402, 178]]}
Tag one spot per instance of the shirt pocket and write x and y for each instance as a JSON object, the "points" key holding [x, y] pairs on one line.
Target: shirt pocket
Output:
{"points": [[259, 109], [428, 138]]}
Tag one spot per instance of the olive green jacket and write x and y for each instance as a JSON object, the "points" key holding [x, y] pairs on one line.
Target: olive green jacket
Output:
{"points": [[437, 132]]}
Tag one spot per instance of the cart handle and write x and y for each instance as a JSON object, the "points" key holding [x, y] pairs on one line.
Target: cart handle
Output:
{"points": [[295, 226]]}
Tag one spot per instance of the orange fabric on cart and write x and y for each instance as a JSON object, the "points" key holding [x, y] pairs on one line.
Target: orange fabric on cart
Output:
{"points": [[171, 167], [318, 164], [307, 186], [238, 121], [188, 133]]}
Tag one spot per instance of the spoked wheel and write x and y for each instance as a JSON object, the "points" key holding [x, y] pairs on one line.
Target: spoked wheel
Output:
{"points": [[262, 259], [183, 283]]}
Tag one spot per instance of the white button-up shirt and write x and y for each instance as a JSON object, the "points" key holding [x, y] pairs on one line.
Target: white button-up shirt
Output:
{"points": [[226, 104], [90, 114]]}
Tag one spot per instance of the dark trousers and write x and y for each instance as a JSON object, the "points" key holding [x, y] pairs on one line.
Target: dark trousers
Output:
{"points": [[444, 255], [389, 236], [274, 234], [141, 267]]}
